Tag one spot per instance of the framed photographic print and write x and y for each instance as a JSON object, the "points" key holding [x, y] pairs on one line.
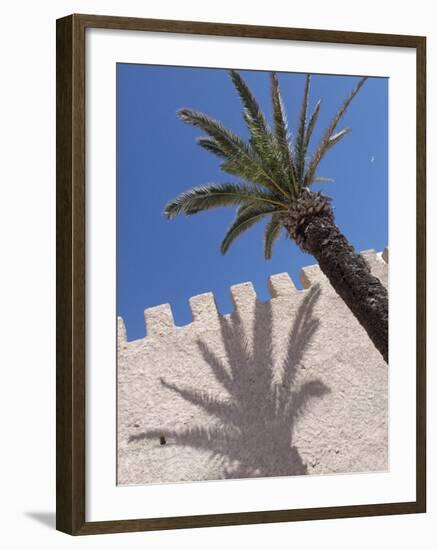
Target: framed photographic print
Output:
{"points": [[240, 274]]}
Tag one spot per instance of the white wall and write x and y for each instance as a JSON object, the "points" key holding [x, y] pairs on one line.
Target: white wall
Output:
{"points": [[27, 227]]}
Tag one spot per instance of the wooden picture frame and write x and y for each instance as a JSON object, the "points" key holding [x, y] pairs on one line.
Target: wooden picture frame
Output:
{"points": [[71, 284]]}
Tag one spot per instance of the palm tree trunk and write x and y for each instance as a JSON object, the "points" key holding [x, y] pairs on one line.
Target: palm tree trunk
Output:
{"points": [[349, 275]]}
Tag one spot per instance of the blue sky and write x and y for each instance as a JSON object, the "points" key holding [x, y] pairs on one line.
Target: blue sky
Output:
{"points": [[161, 261]]}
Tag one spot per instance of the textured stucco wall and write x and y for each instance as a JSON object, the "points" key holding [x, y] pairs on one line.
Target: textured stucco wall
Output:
{"points": [[287, 387]]}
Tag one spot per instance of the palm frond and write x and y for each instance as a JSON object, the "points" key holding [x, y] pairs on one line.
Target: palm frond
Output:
{"points": [[325, 142], [338, 136], [271, 235], [205, 197], [256, 123], [244, 220], [281, 132], [261, 137], [222, 141], [311, 124], [239, 158], [212, 146], [344, 107], [321, 179], [300, 151], [251, 107], [243, 208]]}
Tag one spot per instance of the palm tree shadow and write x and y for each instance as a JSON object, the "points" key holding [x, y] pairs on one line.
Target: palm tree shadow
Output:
{"points": [[253, 428]]}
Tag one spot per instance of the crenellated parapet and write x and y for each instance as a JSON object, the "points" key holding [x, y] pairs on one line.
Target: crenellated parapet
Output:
{"points": [[159, 320], [281, 387]]}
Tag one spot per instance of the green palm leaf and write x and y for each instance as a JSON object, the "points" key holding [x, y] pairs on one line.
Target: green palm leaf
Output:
{"points": [[239, 158], [212, 146], [245, 219], [325, 144], [222, 142], [321, 179], [337, 137], [311, 124], [261, 138], [205, 197], [300, 150], [271, 235], [281, 132], [253, 115]]}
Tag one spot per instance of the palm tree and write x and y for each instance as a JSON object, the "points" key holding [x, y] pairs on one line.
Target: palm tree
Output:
{"points": [[275, 178]]}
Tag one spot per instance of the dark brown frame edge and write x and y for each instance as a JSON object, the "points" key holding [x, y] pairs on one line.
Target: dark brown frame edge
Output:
{"points": [[70, 275]]}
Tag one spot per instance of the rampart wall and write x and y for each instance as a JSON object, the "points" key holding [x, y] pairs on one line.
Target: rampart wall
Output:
{"points": [[290, 386]]}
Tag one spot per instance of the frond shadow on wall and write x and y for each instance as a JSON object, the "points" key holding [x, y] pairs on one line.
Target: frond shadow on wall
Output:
{"points": [[253, 429]]}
